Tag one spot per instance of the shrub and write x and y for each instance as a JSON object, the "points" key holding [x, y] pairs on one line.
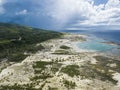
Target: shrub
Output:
{"points": [[64, 47]]}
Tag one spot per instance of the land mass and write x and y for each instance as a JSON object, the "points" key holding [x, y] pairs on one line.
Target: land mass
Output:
{"points": [[60, 65], [111, 43], [16, 42]]}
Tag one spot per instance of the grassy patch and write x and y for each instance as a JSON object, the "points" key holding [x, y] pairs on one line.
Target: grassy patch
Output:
{"points": [[34, 48], [4, 41], [87, 72], [44, 72], [64, 47], [18, 87], [43, 76], [16, 57], [99, 71], [103, 61], [102, 68], [69, 84], [41, 64], [71, 70], [92, 71], [61, 52]]}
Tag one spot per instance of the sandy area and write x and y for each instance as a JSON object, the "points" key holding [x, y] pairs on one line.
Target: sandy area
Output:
{"points": [[21, 73]]}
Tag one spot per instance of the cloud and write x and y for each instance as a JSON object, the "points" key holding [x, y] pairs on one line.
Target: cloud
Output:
{"points": [[88, 14], [106, 15], [62, 11], [1, 6], [23, 12], [61, 14]]}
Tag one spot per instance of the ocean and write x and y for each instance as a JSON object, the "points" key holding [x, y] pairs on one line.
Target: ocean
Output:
{"points": [[110, 35], [96, 38]]}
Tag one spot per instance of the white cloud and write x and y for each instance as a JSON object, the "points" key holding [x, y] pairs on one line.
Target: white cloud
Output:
{"points": [[1, 6], [113, 4], [105, 14], [76, 12], [75, 28], [62, 11], [23, 12]]}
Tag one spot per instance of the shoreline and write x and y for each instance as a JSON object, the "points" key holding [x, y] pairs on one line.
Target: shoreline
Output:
{"points": [[111, 43], [89, 67]]}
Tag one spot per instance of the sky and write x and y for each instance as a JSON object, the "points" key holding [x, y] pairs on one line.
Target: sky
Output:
{"points": [[62, 14]]}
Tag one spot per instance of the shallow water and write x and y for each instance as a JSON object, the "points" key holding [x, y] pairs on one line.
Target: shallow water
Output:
{"points": [[95, 39], [95, 44]]}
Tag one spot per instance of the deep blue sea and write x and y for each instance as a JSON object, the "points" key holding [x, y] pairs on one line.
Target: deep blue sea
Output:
{"points": [[96, 38]]}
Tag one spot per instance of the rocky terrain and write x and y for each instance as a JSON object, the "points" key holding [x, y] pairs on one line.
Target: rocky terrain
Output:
{"points": [[62, 66]]}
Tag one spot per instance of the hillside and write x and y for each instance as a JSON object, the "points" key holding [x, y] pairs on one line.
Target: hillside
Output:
{"points": [[15, 40]]}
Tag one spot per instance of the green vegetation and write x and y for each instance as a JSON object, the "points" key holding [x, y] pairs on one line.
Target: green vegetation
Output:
{"points": [[64, 47], [100, 70], [41, 64], [33, 48], [87, 72], [71, 70], [16, 39], [69, 84], [61, 52], [43, 76], [104, 61], [103, 67], [16, 57], [18, 87], [40, 67]]}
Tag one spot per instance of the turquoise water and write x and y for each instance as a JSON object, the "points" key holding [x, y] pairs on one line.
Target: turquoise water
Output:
{"points": [[95, 44], [111, 35]]}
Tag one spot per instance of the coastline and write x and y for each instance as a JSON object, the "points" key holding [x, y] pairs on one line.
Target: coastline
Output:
{"points": [[92, 67]]}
